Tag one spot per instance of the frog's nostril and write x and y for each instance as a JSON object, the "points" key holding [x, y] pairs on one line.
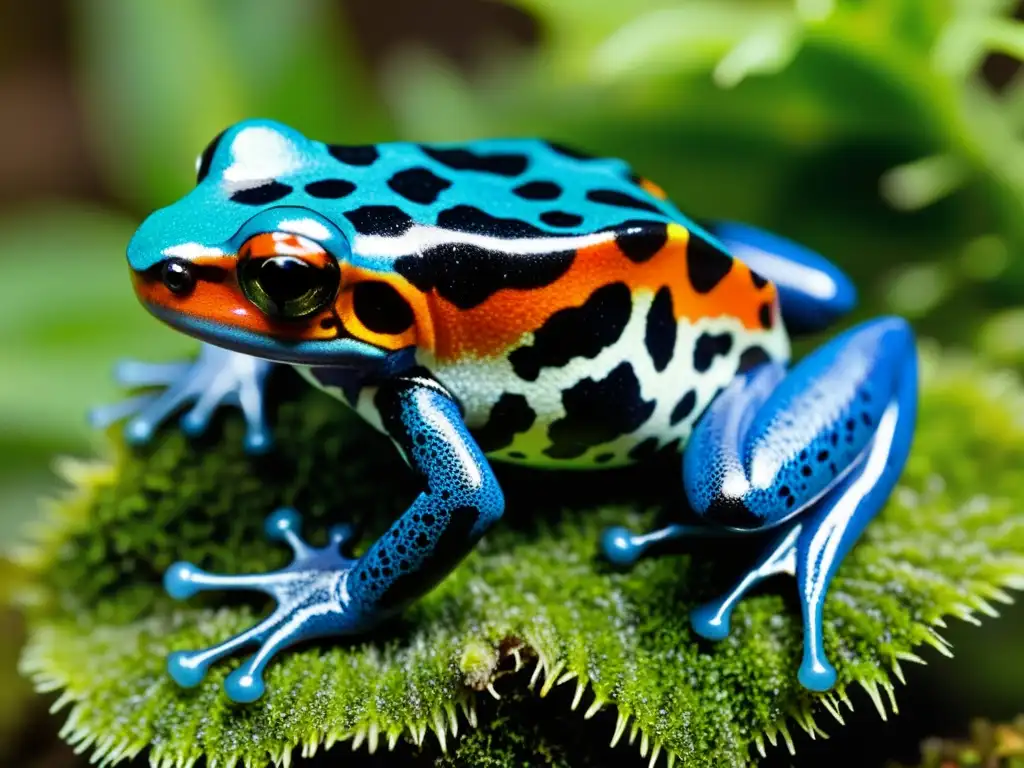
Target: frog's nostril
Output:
{"points": [[177, 277]]}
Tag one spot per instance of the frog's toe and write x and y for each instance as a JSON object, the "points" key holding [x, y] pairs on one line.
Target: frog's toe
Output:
{"points": [[342, 534], [244, 686], [711, 620], [620, 547], [183, 580], [136, 373], [258, 437], [140, 429], [258, 441], [102, 416], [187, 668], [816, 672], [623, 548]]}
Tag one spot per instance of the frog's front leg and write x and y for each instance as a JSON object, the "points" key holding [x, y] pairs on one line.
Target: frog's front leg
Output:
{"points": [[323, 593], [814, 454], [216, 378]]}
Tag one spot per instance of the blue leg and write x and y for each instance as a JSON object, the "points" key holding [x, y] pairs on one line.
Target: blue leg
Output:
{"points": [[218, 377], [813, 292], [322, 593], [813, 454]]}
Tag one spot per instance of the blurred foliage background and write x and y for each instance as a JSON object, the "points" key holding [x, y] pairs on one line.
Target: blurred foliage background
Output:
{"points": [[884, 133]]}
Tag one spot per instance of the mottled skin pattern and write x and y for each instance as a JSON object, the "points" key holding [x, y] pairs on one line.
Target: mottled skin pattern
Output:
{"points": [[514, 300]]}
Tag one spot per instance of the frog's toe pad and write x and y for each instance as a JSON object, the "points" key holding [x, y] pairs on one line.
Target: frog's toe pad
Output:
{"points": [[244, 686], [186, 668], [258, 439], [817, 674], [139, 431], [183, 580], [620, 547], [710, 621]]}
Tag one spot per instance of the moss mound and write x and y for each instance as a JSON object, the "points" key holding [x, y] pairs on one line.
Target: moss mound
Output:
{"points": [[534, 596]]}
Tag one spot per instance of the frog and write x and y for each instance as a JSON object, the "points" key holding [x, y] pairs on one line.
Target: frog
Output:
{"points": [[518, 301]]}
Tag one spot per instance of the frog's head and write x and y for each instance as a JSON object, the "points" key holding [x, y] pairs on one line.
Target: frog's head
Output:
{"points": [[248, 260]]}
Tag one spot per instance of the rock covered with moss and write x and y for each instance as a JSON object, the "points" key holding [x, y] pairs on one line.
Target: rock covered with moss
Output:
{"points": [[533, 603]]}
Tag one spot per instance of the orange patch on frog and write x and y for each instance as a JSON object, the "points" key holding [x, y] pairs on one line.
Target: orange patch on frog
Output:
{"points": [[499, 322], [224, 304], [421, 333]]}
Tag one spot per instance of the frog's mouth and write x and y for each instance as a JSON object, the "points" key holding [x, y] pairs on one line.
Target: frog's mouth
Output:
{"points": [[203, 299], [337, 352]]}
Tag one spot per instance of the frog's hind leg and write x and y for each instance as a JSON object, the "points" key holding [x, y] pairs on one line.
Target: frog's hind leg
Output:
{"points": [[819, 457], [813, 292], [812, 454]]}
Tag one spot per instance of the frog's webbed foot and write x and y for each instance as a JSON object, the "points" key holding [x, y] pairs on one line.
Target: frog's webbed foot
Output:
{"points": [[312, 601], [218, 377]]}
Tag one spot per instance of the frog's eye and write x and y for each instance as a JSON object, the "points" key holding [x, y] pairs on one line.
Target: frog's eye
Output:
{"points": [[287, 276], [381, 308]]}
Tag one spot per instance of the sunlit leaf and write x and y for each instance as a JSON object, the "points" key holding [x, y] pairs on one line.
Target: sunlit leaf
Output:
{"points": [[198, 66], [67, 312], [690, 37]]}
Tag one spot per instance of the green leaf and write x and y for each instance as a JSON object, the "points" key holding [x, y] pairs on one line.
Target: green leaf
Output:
{"points": [[67, 313], [535, 591], [692, 37], [162, 79]]}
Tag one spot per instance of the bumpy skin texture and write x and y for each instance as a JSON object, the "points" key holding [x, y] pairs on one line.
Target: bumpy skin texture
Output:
{"points": [[517, 300]]}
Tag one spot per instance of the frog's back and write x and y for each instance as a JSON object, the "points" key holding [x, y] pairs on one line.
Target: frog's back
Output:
{"points": [[577, 315], [585, 321], [512, 187]]}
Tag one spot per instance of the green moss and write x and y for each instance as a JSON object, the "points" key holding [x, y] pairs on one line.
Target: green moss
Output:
{"points": [[534, 594]]}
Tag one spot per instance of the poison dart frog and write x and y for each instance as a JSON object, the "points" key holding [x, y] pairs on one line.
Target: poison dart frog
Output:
{"points": [[515, 301]]}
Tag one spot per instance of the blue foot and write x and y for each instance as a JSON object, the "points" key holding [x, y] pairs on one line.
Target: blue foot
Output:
{"points": [[217, 378], [312, 601]]}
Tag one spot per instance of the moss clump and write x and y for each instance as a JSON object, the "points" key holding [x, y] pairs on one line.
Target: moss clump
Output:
{"points": [[534, 594]]}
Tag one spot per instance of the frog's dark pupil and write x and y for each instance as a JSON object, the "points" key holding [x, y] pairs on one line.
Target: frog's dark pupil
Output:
{"points": [[286, 286], [286, 278], [177, 276]]}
